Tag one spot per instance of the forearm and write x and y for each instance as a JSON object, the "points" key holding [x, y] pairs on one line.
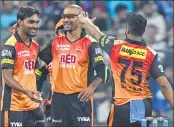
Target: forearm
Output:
{"points": [[168, 93], [93, 30], [166, 89], [96, 82]]}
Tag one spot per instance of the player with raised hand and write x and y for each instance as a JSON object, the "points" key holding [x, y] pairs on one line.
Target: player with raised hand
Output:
{"points": [[75, 56], [132, 62]]}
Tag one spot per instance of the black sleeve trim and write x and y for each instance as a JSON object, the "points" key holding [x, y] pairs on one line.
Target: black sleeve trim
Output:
{"points": [[106, 43], [102, 40]]}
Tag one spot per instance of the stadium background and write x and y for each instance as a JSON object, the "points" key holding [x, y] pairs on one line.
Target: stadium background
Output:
{"points": [[110, 19]]}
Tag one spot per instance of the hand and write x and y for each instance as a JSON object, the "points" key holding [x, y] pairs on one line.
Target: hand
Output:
{"points": [[45, 104], [85, 94], [13, 29], [34, 96], [83, 18]]}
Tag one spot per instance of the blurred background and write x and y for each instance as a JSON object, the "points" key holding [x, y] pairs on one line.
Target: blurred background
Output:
{"points": [[111, 16]]}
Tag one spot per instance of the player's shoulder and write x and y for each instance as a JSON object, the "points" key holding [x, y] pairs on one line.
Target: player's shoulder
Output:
{"points": [[11, 41], [89, 38], [59, 37], [151, 50], [117, 42], [35, 42], [105, 39]]}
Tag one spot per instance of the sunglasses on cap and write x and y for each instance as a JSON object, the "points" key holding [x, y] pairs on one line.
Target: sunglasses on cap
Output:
{"points": [[69, 16]]}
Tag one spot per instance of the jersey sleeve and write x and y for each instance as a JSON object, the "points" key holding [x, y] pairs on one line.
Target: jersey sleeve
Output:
{"points": [[95, 54], [96, 58], [8, 54], [106, 43], [46, 54], [156, 69]]}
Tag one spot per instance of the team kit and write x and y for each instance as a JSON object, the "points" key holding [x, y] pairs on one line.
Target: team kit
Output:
{"points": [[75, 65]]}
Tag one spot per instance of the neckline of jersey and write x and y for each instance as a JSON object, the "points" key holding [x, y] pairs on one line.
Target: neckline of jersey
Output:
{"points": [[142, 42], [18, 38]]}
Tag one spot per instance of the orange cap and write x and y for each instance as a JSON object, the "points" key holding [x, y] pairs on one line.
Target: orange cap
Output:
{"points": [[59, 24]]}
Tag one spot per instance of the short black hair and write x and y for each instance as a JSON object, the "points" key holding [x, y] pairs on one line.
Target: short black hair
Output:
{"points": [[137, 23], [120, 8], [26, 11]]}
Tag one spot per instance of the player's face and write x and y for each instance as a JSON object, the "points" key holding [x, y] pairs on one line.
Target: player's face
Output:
{"points": [[30, 25], [70, 19]]}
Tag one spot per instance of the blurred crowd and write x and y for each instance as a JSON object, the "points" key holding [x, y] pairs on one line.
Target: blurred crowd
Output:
{"points": [[111, 17]]}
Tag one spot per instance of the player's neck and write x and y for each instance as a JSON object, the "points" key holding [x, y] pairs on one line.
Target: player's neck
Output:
{"points": [[135, 38], [24, 38], [74, 35]]}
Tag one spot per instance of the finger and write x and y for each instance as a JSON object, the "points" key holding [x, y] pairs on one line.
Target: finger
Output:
{"points": [[80, 15], [93, 19], [86, 14], [87, 100], [83, 14], [14, 26], [37, 100], [86, 97], [34, 92], [12, 31], [83, 96], [42, 94], [81, 93]]}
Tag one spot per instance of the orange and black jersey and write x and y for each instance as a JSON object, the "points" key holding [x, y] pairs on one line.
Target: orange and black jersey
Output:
{"points": [[73, 63], [131, 63], [22, 59]]}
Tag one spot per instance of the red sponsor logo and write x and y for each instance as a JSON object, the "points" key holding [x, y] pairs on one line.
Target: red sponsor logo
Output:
{"points": [[29, 65], [68, 58]]}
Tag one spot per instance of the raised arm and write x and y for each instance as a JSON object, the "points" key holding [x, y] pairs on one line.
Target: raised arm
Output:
{"points": [[92, 29]]}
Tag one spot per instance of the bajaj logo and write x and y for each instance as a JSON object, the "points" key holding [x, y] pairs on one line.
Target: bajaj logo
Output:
{"points": [[133, 52]]}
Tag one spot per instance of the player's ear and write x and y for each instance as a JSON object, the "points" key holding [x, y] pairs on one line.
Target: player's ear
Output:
{"points": [[19, 22], [126, 29]]}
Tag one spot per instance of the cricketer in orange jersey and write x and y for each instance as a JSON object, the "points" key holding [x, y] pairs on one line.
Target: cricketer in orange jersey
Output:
{"points": [[74, 56], [18, 59], [132, 62]]}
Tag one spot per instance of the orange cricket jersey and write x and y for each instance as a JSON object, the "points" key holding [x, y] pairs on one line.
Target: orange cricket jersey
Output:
{"points": [[70, 64], [130, 64], [22, 59]]}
